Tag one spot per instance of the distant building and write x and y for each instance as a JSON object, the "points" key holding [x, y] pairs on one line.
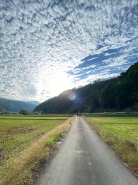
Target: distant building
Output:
{"points": [[38, 112]]}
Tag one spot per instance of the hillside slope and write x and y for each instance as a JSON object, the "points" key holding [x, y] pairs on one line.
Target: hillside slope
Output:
{"points": [[15, 106], [119, 93]]}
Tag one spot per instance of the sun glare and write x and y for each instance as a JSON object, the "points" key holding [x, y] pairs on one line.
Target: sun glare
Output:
{"points": [[59, 82], [71, 95]]}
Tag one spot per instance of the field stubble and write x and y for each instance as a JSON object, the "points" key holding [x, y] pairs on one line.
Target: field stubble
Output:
{"points": [[24, 143]]}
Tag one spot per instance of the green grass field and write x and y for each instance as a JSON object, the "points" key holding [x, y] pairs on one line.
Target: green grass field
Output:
{"points": [[126, 127], [24, 142], [121, 133], [17, 133]]}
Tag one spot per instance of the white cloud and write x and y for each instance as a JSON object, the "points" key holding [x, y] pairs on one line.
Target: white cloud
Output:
{"points": [[41, 43]]}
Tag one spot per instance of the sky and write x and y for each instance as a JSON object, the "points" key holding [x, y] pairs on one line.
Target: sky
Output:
{"points": [[48, 46]]}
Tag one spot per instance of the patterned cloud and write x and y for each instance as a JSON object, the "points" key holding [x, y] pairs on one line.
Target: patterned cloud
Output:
{"points": [[47, 46]]}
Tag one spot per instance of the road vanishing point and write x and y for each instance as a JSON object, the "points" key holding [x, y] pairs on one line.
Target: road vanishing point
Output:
{"points": [[85, 159]]}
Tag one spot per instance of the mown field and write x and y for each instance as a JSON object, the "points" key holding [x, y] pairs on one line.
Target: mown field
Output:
{"points": [[24, 142], [121, 133]]}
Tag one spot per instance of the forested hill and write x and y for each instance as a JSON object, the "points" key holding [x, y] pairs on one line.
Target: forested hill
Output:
{"points": [[15, 105], [116, 94]]}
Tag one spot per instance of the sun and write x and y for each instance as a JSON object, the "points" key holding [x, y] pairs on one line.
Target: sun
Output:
{"points": [[59, 82]]}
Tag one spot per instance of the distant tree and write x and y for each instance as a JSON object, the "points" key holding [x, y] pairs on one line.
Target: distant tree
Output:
{"points": [[96, 81], [23, 112], [135, 106], [108, 96], [93, 100], [1, 109]]}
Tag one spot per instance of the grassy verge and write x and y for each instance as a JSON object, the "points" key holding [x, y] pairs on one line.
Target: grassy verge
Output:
{"points": [[18, 169], [121, 133]]}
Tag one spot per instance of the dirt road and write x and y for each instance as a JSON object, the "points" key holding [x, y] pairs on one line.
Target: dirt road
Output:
{"points": [[84, 159]]}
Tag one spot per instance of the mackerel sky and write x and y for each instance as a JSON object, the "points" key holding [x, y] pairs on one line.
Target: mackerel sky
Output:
{"points": [[48, 46]]}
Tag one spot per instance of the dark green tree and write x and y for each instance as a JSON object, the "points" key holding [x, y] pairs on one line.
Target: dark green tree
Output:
{"points": [[23, 112], [108, 96]]}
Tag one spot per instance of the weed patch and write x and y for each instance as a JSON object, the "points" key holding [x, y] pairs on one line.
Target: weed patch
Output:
{"points": [[51, 140]]}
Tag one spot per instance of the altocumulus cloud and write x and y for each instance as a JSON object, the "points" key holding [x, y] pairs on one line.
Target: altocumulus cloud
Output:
{"points": [[47, 46]]}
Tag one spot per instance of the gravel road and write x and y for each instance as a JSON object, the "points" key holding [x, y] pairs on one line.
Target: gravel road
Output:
{"points": [[84, 159]]}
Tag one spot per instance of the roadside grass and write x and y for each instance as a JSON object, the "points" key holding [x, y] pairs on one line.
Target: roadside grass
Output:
{"points": [[24, 144], [35, 117], [121, 133], [51, 140]]}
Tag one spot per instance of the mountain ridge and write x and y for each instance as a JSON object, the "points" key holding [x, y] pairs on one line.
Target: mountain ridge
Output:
{"points": [[15, 105], [120, 93]]}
